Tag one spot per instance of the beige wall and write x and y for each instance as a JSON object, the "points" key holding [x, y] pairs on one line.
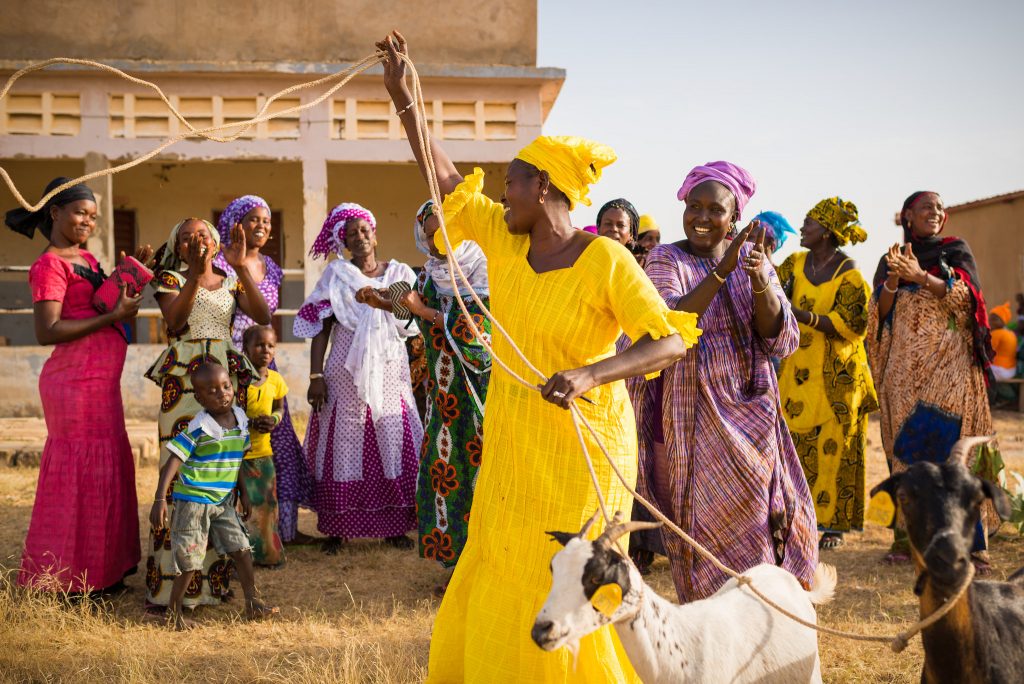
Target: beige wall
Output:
{"points": [[141, 396], [995, 233], [453, 32]]}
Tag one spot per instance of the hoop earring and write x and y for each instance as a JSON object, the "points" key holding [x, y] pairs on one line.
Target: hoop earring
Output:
{"points": [[541, 200]]}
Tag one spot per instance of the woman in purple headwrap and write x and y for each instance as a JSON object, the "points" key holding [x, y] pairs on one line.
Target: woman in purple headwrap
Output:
{"points": [[364, 433], [714, 449], [294, 481]]}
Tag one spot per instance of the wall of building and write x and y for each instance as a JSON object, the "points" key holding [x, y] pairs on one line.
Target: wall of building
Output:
{"points": [[141, 396], [457, 32], [995, 233]]}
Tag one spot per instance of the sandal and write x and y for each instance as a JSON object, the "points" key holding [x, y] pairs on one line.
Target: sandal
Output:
{"points": [[258, 610], [982, 568], [830, 540], [896, 558]]}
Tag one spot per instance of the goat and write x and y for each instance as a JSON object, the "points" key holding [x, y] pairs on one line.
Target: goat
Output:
{"points": [[982, 638], [731, 636]]}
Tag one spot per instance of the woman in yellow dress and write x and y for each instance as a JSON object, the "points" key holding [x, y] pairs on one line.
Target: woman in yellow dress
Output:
{"points": [[564, 296], [825, 386]]}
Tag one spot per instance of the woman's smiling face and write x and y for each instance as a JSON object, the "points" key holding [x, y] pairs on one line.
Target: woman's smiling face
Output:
{"points": [[708, 217]]}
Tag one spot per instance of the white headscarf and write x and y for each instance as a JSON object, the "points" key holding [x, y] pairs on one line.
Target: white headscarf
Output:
{"points": [[378, 334], [468, 254]]}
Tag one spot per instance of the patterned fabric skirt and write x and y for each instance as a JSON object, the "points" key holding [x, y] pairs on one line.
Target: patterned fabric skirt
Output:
{"points": [[261, 486], [84, 533], [294, 476], [835, 476]]}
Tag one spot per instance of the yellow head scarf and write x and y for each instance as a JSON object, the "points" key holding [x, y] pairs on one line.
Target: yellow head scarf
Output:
{"points": [[572, 163], [839, 217], [647, 223]]}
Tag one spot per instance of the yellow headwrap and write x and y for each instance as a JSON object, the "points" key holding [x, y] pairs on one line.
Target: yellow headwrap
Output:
{"points": [[573, 163], [1003, 311], [647, 223], [839, 217]]}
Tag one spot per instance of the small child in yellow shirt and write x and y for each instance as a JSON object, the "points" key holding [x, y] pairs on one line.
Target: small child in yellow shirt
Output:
{"points": [[263, 406]]}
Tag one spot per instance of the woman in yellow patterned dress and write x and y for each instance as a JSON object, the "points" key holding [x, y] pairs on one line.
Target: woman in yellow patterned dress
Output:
{"points": [[825, 386], [564, 296]]}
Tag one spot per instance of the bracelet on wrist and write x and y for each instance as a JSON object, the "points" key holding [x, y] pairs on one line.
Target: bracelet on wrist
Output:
{"points": [[403, 110], [763, 289], [894, 290], [720, 279], [316, 376]]}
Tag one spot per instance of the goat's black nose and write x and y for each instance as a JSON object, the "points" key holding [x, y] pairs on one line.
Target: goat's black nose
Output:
{"points": [[540, 631]]}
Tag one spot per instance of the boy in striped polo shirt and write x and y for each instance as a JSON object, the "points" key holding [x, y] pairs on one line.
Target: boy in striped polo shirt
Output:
{"points": [[208, 455]]}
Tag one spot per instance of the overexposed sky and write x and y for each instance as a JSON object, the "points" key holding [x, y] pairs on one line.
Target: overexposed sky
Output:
{"points": [[870, 100]]}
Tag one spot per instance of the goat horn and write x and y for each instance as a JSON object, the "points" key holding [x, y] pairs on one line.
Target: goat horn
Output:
{"points": [[587, 525], [962, 449], [616, 530]]}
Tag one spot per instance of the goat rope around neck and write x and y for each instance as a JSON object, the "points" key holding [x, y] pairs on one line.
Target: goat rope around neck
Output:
{"points": [[340, 79]]}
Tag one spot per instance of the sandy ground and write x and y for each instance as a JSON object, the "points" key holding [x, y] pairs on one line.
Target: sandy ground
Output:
{"points": [[366, 614]]}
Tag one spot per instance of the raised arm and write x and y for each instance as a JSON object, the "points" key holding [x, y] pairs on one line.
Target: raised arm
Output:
{"points": [[250, 300], [394, 80]]}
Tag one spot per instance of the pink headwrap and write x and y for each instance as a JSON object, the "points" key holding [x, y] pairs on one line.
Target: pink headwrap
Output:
{"points": [[332, 234], [740, 183]]}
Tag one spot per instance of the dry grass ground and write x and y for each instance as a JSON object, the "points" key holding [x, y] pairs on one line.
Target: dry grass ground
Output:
{"points": [[365, 615]]}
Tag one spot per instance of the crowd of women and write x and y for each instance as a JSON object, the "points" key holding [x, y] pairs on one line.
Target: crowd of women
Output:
{"points": [[733, 392]]}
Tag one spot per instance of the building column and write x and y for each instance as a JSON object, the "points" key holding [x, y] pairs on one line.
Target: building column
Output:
{"points": [[314, 211], [101, 244]]}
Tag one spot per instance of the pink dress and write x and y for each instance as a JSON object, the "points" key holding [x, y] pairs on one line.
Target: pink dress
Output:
{"points": [[84, 533]]}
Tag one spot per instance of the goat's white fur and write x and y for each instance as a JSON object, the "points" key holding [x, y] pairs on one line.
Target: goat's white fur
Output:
{"points": [[731, 636]]}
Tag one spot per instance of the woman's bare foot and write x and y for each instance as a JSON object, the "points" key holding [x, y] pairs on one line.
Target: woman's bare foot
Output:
{"points": [[257, 610]]}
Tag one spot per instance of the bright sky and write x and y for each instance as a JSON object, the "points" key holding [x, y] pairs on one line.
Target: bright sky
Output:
{"points": [[869, 99]]}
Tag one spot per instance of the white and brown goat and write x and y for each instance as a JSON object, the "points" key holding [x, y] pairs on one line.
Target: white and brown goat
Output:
{"points": [[729, 637], [981, 638]]}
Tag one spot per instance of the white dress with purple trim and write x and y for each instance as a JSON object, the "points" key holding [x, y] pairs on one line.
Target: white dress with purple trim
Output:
{"points": [[364, 442]]}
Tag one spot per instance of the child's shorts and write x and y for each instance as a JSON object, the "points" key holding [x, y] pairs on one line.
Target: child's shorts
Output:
{"points": [[193, 524]]}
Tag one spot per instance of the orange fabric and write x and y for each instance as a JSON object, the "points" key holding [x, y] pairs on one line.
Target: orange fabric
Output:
{"points": [[1005, 344]]}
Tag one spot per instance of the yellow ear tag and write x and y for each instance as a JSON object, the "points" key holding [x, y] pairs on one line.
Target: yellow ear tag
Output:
{"points": [[881, 510], [607, 599]]}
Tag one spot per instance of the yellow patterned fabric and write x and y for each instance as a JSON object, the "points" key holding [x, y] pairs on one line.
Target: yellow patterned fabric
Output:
{"points": [[573, 163], [533, 476], [839, 217], [827, 392]]}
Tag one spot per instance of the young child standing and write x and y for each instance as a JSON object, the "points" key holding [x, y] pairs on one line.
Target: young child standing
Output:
{"points": [[263, 405], [207, 457]]}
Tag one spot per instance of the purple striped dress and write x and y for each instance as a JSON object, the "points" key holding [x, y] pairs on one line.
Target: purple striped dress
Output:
{"points": [[734, 481], [294, 478]]}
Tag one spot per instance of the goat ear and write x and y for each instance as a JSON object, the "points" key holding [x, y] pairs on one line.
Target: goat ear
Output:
{"points": [[562, 537], [888, 486], [994, 492]]}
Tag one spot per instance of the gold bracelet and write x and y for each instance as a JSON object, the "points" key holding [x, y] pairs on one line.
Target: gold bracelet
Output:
{"points": [[720, 279], [764, 289], [814, 319]]}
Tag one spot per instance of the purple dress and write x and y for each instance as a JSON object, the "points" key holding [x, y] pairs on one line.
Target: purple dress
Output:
{"points": [[294, 479], [734, 481]]}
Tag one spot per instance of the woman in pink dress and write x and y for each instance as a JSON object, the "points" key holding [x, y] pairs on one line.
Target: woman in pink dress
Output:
{"points": [[84, 534]]}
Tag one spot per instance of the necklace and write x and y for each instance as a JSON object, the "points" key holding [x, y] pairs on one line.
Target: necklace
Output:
{"points": [[816, 270]]}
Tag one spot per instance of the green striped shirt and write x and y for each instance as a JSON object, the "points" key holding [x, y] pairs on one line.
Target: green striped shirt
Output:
{"points": [[212, 456]]}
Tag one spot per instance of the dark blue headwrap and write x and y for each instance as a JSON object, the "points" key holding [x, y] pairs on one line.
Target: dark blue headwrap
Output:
{"points": [[26, 222]]}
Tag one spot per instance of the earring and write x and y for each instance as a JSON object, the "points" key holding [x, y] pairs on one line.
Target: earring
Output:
{"points": [[541, 200]]}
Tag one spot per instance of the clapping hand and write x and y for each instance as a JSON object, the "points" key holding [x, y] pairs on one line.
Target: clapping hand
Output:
{"points": [[234, 253], [904, 264], [754, 263], [732, 255], [197, 254]]}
